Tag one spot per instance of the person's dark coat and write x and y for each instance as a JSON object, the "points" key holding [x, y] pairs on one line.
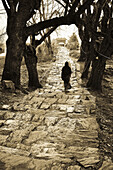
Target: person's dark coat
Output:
{"points": [[66, 74]]}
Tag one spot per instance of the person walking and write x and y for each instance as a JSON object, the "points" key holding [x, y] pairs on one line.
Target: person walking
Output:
{"points": [[65, 75]]}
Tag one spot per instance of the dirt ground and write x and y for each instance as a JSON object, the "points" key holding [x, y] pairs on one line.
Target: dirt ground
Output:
{"points": [[104, 102]]}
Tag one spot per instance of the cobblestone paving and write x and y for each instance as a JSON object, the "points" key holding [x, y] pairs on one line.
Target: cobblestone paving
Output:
{"points": [[50, 129]]}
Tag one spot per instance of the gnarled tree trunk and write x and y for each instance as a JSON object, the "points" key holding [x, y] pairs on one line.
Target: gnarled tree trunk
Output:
{"points": [[18, 13], [96, 76], [31, 63], [98, 65], [89, 58], [83, 51], [15, 46]]}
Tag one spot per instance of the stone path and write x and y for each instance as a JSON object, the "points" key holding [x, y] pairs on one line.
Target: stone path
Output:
{"points": [[50, 129]]}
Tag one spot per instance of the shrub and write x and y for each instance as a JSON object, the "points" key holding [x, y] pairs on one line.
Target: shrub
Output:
{"points": [[44, 54], [73, 43]]}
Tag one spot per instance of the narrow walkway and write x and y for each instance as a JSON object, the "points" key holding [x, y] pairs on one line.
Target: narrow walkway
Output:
{"points": [[51, 130]]}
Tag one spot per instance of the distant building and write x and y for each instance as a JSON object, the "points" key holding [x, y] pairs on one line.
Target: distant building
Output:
{"points": [[61, 40]]}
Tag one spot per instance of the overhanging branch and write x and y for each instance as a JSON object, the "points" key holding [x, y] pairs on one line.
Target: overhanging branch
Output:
{"points": [[38, 42], [55, 22]]}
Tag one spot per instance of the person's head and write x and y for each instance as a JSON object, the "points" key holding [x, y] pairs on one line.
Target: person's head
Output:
{"points": [[66, 63]]}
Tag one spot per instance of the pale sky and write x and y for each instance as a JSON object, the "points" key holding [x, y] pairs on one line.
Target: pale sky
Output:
{"points": [[3, 16]]}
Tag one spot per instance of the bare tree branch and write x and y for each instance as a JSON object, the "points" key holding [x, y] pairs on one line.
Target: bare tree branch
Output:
{"points": [[5, 6], [84, 6], [74, 6], [60, 3], [38, 42], [66, 8]]}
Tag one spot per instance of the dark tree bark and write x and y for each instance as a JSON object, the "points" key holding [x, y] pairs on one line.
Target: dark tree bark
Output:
{"points": [[15, 47], [95, 80], [31, 63], [90, 56], [98, 65], [104, 53], [13, 62], [84, 35], [16, 24], [83, 51], [91, 27], [86, 67], [31, 58]]}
